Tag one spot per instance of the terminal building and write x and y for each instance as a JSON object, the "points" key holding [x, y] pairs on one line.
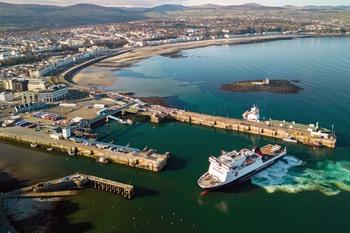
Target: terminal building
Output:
{"points": [[53, 94], [49, 95]]}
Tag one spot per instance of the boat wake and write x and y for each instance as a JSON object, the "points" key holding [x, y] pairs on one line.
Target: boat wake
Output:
{"points": [[328, 177]]}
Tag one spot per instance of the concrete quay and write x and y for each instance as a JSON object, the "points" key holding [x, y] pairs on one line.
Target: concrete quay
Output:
{"points": [[264, 128], [148, 160]]}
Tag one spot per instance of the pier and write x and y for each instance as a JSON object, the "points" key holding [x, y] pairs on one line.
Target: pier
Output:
{"points": [[148, 159], [125, 190], [273, 129], [62, 187], [68, 185]]}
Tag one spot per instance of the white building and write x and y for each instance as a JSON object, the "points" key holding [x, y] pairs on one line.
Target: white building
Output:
{"points": [[6, 97], [54, 93], [66, 132], [3, 57], [6, 55], [37, 84]]}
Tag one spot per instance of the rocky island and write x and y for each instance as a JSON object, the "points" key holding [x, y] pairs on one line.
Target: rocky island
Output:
{"points": [[266, 85]]}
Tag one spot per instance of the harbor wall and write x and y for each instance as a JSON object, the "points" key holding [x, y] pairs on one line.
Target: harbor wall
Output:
{"points": [[158, 114], [256, 128], [154, 162]]}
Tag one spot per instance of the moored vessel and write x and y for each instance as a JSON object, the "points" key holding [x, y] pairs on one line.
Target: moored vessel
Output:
{"points": [[102, 160], [290, 139], [252, 115], [238, 166]]}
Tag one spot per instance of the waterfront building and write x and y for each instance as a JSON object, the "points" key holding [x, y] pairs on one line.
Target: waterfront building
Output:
{"points": [[66, 132], [29, 97], [52, 94], [29, 107]]}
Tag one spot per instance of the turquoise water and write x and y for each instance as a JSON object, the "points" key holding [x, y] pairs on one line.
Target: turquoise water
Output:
{"points": [[306, 192]]}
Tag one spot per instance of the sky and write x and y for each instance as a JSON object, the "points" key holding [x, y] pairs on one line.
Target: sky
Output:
{"points": [[150, 3]]}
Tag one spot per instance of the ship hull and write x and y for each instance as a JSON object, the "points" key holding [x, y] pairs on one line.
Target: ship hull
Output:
{"points": [[245, 177]]}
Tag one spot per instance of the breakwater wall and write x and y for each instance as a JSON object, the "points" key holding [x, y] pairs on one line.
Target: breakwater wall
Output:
{"points": [[148, 160], [301, 134]]}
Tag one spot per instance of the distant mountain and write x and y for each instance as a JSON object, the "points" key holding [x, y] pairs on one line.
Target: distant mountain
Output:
{"points": [[252, 5], [20, 15], [337, 8], [207, 6], [31, 15], [168, 8], [247, 6], [45, 15]]}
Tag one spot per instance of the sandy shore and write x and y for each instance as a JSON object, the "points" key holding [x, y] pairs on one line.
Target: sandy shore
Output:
{"points": [[98, 77], [106, 78]]}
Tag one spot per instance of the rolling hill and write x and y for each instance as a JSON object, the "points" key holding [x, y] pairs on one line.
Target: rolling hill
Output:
{"points": [[36, 16]]}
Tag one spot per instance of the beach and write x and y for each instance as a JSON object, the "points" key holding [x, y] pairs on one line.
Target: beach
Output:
{"points": [[94, 78], [104, 77]]}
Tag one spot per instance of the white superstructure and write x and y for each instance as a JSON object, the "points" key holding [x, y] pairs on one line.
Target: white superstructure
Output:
{"points": [[253, 114], [239, 166]]}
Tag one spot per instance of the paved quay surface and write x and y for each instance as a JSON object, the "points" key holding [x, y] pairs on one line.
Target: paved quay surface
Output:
{"points": [[148, 160]]}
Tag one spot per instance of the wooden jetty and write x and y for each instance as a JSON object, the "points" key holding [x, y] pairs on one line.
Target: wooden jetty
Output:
{"points": [[68, 185], [125, 190], [65, 186]]}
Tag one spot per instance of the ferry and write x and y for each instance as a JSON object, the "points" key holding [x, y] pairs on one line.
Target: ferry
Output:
{"points": [[238, 166]]}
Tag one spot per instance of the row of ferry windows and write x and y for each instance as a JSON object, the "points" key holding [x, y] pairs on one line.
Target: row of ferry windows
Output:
{"points": [[218, 170]]}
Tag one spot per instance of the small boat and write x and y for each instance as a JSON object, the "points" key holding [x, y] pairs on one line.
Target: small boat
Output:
{"points": [[71, 153], [49, 149], [33, 145], [290, 139], [102, 160], [316, 144]]}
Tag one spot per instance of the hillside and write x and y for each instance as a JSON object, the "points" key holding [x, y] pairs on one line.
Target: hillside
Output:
{"points": [[36, 16], [26, 15]]}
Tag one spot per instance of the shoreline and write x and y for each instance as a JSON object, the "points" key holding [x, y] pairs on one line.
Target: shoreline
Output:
{"points": [[31, 214], [129, 57]]}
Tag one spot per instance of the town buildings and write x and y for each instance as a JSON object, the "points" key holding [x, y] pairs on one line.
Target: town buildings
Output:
{"points": [[6, 96], [51, 94]]}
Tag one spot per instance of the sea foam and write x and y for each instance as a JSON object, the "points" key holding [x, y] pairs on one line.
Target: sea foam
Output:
{"points": [[327, 177]]}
